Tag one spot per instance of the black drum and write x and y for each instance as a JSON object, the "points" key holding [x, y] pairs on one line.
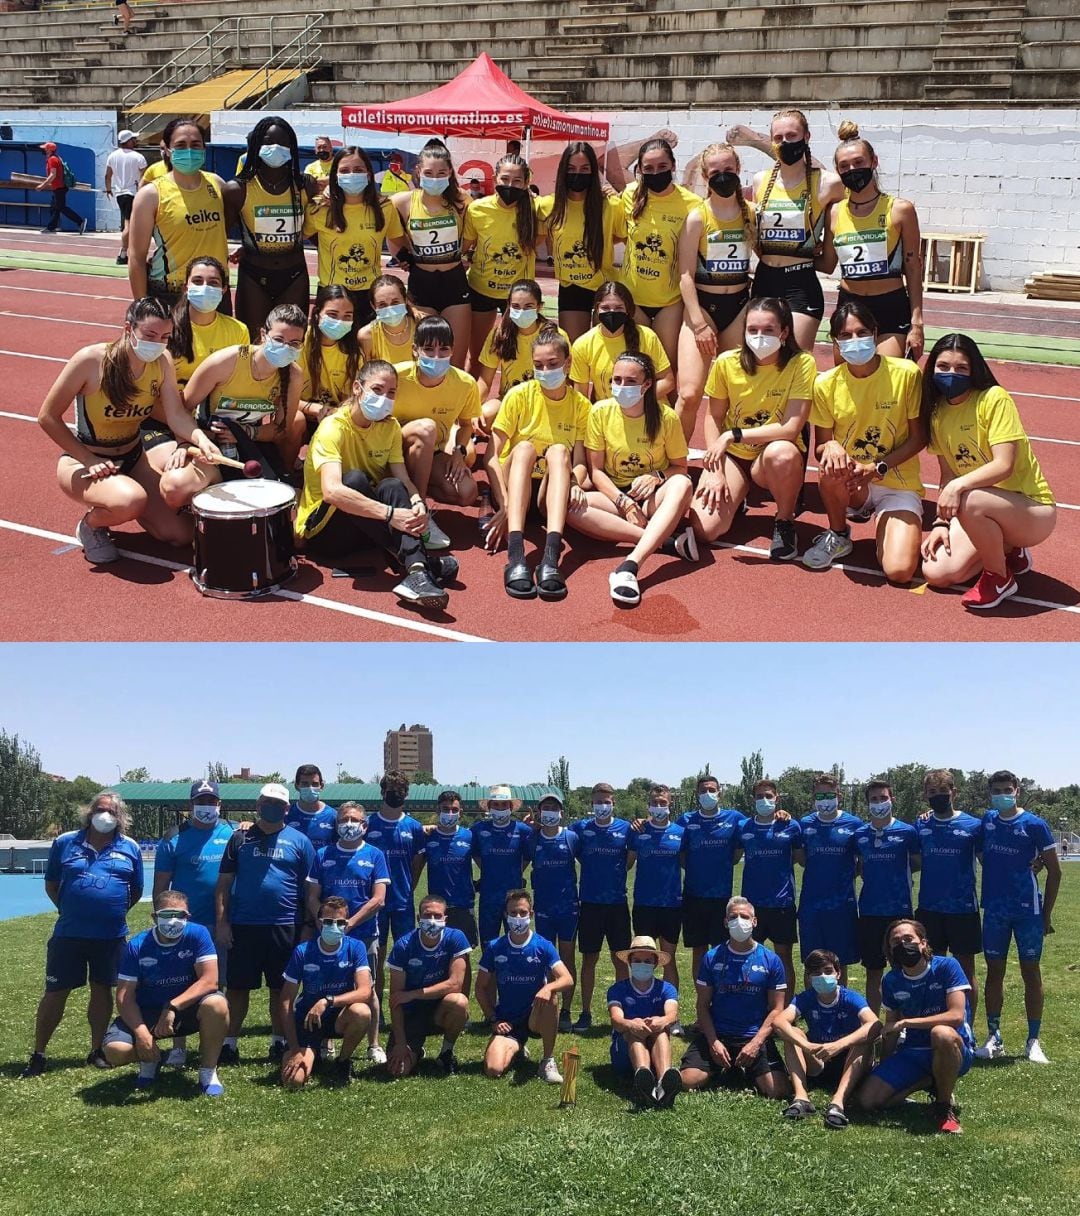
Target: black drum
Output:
{"points": [[243, 538]]}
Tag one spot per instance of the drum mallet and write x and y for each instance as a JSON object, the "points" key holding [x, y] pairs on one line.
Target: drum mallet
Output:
{"points": [[250, 468]]}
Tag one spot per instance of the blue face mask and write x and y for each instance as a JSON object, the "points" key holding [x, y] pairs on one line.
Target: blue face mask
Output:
{"points": [[601, 810], [204, 296], [449, 819], [375, 407], [642, 972], [351, 830], [550, 377], [764, 806], [708, 801], [431, 365], [308, 793], [148, 352], [434, 185], [334, 328], [825, 985], [952, 384], [518, 924], [207, 813], [275, 155], [331, 936], [523, 317], [550, 819], [353, 183], [279, 354], [627, 395], [1003, 802], [392, 314], [858, 351], [188, 160]]}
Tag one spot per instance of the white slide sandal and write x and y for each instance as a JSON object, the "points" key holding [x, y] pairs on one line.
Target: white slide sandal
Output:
{"points": [[624, 588]]}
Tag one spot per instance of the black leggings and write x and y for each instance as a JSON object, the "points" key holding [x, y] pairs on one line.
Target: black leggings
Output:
{"points": [[345, 533]]}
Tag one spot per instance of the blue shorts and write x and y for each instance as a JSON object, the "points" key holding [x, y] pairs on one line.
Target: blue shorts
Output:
{"points": [[1025, 927], [834, 929], [910, 1065], [558, 926], [490, 922], [398, 921], [620, 1053], [68, 961]]}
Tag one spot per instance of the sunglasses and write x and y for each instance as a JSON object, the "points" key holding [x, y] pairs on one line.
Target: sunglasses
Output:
{"points": [[338, 924]]}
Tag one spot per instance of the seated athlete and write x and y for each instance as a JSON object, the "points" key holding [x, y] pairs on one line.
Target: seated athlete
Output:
{"points": [[643, 1010], [837, 1050]]}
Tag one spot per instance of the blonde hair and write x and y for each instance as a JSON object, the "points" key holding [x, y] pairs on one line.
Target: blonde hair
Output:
{"points": [[848, 133], [808, 206], [939, 776], [748, 218]]}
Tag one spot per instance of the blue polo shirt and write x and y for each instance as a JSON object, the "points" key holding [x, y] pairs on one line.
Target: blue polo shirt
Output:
{"points": [[353, 874], [192, 860], [886, 868], [827, 1023], [768, 879], [96, 889], [554, 874], [318, 972], [161, 972], [270, 871], [520, 972], [829, 876], [947, 874], [450, 866], [925, 994], [320, 827], [740, 985], [658, 873], [500, 853], [602, 850], [425, 965], [709, 844], [1009, 846], [399, 840], [637, 1004]]}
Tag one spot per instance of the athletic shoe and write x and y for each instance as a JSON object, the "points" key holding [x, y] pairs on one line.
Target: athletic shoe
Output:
{"points": [[668, 1088], [861, 515], [97, 1059], [1033, 1051], [277, 1051], [82, 227], [991, 1049], [644, 1085], [566, 1024], [443, 568], [1019, 562], [121, 259], [229, 1054], [435, 537], [677, 1031], [342, 1072], [376, 1055], [448, 1062], [418, 587], [584, 1022], [784, 544], [143, 1082], [948, 1118], [98, 546], [989, 591], [327, 1050], [35, 1066], [177, 1058], [549, 1071], [827, 547], [212, 1088], [686, 545]]}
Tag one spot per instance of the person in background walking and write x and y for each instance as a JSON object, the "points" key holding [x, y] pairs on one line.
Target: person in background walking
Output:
{"points": [[54, 181], [123, 173]]}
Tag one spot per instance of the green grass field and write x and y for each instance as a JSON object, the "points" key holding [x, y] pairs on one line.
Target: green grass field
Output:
{"points": [[80, 1141]]}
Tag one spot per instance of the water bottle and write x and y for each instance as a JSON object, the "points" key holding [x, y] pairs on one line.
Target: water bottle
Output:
{"points": [[230, 451], [486, 510]]}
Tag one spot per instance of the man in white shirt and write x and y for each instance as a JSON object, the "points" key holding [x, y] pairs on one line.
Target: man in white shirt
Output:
{"points": [[123, 172]]}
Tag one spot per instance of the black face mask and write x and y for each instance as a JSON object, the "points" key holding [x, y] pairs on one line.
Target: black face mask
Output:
{"points": [[857, 179], [791, 153], [657, 181], [612, 321], [510, 194], [578, 181], [724, 184], [941, 804], [393, 799], [906, 954]]}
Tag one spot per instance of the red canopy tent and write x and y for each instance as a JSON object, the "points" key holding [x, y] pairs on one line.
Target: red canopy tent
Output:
{"points": [[482, 102]]}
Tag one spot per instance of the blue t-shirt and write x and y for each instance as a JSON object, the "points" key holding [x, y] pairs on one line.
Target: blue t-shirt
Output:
{"points": [[827, 1023], [1009, 846], [947, 874], [426, 965], [637, 1004], [709, 844], [270, 872], [554, 874], [768, 879], [520, 972], [924, 995], [318, 972], [96, 889], [829, 876], [353, 874], [450, 867], [886, 868], [192, 859], [740, 985], [161, 973], [399, 840], [658, 872], [320, 827], [602, 852], [500, 854]]}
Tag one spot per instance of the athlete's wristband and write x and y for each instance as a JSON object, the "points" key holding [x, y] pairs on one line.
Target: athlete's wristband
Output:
{"points": [[736, 434]]}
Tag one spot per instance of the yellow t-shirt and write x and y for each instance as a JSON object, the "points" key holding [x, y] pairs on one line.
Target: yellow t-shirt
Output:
{"points": [[527, 413], [567, 242], [102, 425], [188, 223], [593, 356], [456, 399], [334, 383], [964, 435], [627, 448], [870, 416], [319, 169], [520, 367], [762, 398], [498, 260], [351, 259], [206, 340], [394, 348], [152, 172], [650, 266], [393, 184], [338, 440]]}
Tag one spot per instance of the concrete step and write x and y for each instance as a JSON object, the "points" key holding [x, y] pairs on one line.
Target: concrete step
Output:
{"points": [[944, 61]]}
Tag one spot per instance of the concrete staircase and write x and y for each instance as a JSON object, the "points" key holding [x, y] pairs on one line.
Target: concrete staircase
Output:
{"points": [[978, 52]]}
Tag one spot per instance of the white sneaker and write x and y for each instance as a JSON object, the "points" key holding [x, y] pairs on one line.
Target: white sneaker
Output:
{"points": [[177, 1058], [327, 1050], [98, 546], [549, 1072], [991, 1049], [376, 1055], [1033, 1051]]}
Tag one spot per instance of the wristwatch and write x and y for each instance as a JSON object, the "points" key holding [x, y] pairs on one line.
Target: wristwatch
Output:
{"points": [[463, 449], [881, 468]]}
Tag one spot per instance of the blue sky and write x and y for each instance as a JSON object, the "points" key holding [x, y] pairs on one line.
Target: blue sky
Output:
{"points": [[502, 713]]}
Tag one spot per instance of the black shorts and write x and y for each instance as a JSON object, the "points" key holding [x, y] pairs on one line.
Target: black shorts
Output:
{"points": [[124, 201], [829, 1077], [778, 925], [419, 1024], [363, 309], [272, 281], [125, 461], [952, 932], [519, 1032], [153, 434], [600, 921], [327, 1028], [483, 303], [575, 299], [703, 921], [465, 920], [652, 311], [892, 311], [260, 951], [439, 289], [698, 1056], [797, 284], [186, 1022], [69, 960], [722, 308], [871, 939], [658, 922]]}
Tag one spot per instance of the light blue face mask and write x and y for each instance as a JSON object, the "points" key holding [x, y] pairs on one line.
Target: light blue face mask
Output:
{"points": [[432, 365], [434, 185], [331, 936], [1003, 802], [353, 183], [148, 352], [334, 327], [642, 972], [308, 793], [627, 395], [523, 317], [857, 351], [188, 160], [376, 407], [204, 296], [764, 806], [275, 155], [278, 353], [825, 985], [550, 377], [392, 314], [708, 801]]}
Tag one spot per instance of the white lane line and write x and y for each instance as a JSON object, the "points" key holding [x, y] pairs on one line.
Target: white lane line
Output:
{"points": [[20, 354], [368, 614], [48, 291], [30, 316]]}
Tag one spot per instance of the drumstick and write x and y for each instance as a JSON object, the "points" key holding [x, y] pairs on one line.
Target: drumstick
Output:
{"points": [[251, 468]]}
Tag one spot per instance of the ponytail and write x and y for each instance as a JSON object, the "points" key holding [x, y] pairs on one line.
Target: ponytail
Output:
{"points": [[117, 378], [653, 414]]}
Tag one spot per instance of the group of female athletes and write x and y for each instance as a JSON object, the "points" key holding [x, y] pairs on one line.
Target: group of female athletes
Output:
{"points": [[582, 420]]}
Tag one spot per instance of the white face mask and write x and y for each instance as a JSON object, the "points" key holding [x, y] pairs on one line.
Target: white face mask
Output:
{"points": [[518, 924], [659, 814], [104, 822], [550, 819], [881, 810], [763, 345], [741, 928], [602, 810], [203, 812]]}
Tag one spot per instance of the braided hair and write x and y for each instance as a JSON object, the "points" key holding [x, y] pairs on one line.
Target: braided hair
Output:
{"points": [[250, 168], [808, 162]]}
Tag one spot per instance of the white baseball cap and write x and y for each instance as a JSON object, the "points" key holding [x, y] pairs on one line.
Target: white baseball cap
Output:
{"points": [[126, 137], [275, 793]]}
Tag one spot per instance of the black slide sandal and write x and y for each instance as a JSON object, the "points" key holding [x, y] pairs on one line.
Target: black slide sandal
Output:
{"points": [[518, 581], [549, 582]]}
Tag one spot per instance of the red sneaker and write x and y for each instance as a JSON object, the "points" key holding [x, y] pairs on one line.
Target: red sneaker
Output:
{"points": [[948, 1119], [1018, 562], [989, 591]]}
